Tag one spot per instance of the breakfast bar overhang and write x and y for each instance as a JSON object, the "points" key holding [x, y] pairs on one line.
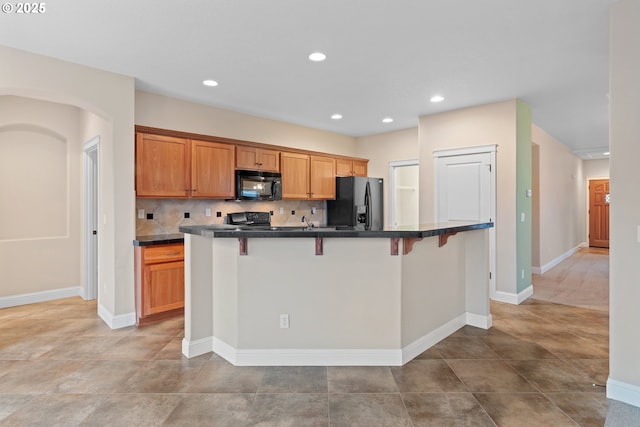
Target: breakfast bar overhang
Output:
{"points": [[349, 297]]}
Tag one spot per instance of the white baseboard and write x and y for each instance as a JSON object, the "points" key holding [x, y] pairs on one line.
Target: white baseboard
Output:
{"points": [[331, 357], [434, 337], [197, 347], [116, 322], [627, 393], [548, 266], [42, 296], [511, 298], [479, 321]]}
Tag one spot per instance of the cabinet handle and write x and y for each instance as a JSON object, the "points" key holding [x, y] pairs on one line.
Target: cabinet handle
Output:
{"points": [[173, 253], [194, 190]]}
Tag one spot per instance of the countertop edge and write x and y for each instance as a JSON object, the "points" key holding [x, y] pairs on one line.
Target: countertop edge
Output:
{"points": [[420, 232]]}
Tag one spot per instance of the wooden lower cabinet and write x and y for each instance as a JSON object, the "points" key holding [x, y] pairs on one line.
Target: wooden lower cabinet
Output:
{"points": [[159, 282]]}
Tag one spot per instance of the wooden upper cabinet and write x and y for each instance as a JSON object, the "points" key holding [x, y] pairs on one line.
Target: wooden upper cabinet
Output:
{"points": [[295, 175], [322, 180], [212, 170], [349, 167], [162, 166], [254, 158]]}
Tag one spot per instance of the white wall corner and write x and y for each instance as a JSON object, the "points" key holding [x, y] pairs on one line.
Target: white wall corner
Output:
{"points": [[512, 298], [34, 297], [627, 393], [116, 322]]}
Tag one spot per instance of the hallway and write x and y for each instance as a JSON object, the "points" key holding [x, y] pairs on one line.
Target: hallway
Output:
{"points": [[582, 280]]}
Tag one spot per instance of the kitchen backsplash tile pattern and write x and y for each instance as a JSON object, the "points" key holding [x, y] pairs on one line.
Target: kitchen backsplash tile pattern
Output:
{"points": [[169, 214]]}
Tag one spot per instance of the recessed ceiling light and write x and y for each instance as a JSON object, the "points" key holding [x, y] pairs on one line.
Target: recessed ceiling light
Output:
{"points": [[317, 56], [210, 83], [606, 153], [437, 98], [336, 116], [387, 120]]}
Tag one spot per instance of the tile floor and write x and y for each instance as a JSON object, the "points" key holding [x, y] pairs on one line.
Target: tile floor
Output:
{"points": [[61, 365]]}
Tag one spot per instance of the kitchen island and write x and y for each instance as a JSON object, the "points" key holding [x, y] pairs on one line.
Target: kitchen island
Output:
{"points": [[324, 296]]}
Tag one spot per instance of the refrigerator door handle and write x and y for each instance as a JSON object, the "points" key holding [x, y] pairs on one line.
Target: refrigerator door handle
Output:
{"points": [[367, 203]]}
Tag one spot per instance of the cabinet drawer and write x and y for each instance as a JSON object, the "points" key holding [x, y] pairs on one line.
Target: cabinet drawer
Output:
{"points": [[163, 253]]}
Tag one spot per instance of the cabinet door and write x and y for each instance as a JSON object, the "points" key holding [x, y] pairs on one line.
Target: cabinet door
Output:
{"points": [[359, 168], [344, 167], [322, 178], [163, 287], [247, 158], [295, 175], [162, 166], [212, 170], [269, 160]]}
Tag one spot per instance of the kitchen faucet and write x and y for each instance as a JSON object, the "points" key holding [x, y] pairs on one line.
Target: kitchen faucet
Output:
{"points": [[304, 219]]}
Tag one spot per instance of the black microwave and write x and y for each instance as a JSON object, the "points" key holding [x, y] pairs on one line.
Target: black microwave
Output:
{"points": [[256, 185]]}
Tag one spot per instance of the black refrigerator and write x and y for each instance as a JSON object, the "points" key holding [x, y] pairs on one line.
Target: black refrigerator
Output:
{"points": [[358, 204]]}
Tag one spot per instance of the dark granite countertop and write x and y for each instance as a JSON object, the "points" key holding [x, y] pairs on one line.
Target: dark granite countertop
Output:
{"points": [[158, 239], [417, 231]]}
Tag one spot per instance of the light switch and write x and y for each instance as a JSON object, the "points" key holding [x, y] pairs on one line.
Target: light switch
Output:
{"points": [[140, 213], [529, 192]]}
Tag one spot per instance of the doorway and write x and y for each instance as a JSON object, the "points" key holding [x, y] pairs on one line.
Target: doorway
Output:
{"points": [[599, 199], [403, 190], [91, 156]]}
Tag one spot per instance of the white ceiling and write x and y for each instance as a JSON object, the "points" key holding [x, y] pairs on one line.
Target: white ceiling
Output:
{"points": [[384, 57]]}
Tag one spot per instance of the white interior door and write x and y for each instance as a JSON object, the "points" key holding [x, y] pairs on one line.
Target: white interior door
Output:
{"points": [[466, 191]]}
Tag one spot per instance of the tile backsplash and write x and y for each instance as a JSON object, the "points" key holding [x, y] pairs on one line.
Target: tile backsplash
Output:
{"points": [[169, 214]]}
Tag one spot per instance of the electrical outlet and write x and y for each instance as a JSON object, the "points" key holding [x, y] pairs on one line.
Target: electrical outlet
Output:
{"points": [[293, 212], [149, 216], [207, 212], [281, 211], [313, 211], [521, 216], [522, 274], [140, 213], [187, 215], [218, 214], [284, 321]]}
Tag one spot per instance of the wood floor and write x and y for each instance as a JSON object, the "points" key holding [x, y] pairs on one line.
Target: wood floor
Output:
{"points": [[542, 364]]}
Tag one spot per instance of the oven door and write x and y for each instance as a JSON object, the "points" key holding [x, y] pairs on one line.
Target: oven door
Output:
{"points": [[255, 185]]}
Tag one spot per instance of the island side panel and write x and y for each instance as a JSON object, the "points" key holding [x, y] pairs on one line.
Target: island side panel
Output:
{"points": [[198, 325], [348, 298], [225, 267], [433, 296]]}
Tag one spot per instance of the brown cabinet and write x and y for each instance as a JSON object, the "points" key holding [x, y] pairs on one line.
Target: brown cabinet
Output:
{"points": [[307, 177], [177, 167], [159, 282], [253, 158], [162, 166], [212, 172], [349, 167]]}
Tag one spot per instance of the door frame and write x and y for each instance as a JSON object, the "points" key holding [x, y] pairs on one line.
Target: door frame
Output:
{"points": [[91, 208], [392, 185], [479, 149]]}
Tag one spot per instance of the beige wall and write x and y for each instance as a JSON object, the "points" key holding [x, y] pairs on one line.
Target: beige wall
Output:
{"points": [[111, 97], [624, 66], [170, 113], [387, 147], [41, 172], [560, 223], [596, 168], [482, 125]]}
